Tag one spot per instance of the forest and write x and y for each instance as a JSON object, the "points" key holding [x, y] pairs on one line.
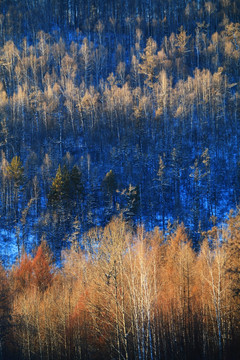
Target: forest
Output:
{"points": [[130, 294], [120, 179]]}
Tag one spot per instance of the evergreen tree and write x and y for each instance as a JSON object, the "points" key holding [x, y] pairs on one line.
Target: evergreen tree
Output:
{"points": [[57, 188], [15, 171], [66, 187], [76, 183], [133, 202], [110, 184]]}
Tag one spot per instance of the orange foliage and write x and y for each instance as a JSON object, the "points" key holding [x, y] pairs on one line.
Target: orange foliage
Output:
{"points": [[143, 284], [33, 272], [79, 312], [42, 270], [23, 274]]}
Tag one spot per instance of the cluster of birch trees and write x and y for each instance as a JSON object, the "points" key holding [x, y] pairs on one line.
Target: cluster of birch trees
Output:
{"points": [[126, 294]]}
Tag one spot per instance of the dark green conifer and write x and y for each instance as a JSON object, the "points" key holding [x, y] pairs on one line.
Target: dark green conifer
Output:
{"points": [[110, 183], [56, 191], [15, 171], [133, 202], [76, 181]]}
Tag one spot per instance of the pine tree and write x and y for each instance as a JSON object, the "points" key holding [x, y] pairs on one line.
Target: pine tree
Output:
{"points": [[109, 186], [133, 202], [15, 171], [57, 188], [110, 183], [76, 183], [66, 187]]}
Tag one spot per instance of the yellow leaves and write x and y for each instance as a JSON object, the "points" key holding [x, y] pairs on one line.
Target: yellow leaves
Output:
{"points": [[126, 282], [210, 7], [51, 98], [71, 95], [49, 92], [111, 80], [144, 105], [149, 64], [232, 40], [215, 38], [4, 165], [232, 31], [56, 88], [99, 27], [3, 96], [182, 40], [15, 170], [179, 112], [118, 98], [163, 79], [89, 100], [68, 69], [159, 112], [10, 53], [121, 69], [21, 95]]}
